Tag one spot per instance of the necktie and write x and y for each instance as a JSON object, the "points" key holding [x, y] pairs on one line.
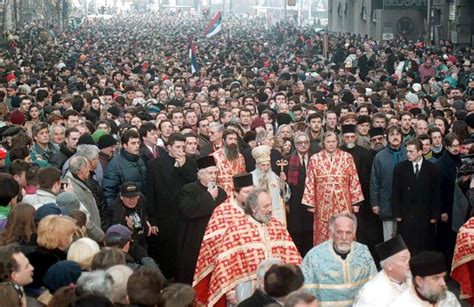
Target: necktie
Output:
{"points": [[303, 163], [417, 170], [153, 149]]}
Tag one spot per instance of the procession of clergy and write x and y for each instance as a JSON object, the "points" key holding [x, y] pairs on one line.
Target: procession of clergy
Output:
{"points": [[250, 226]]}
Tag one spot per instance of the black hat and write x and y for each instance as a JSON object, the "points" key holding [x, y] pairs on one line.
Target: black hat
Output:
{"points": [[347, 96], [85, 139], [283, 118], [390, 247], [114, 111], [129, 189], [376, 131], [106, 141], [205, 162], [362, 119], [242, 180], [469, 119], [427, 263], [348, 129]]}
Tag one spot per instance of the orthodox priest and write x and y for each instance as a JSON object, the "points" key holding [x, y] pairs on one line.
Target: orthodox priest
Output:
{"points": [[369, 227], [463, 261], [222, 217], [249, 240], [392, 280], [332, 186], [229, 161], [197, 201], [336, 269], [265, 178]]}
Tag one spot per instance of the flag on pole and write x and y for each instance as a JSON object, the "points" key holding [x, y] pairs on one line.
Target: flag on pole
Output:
{"points": [[215, 26], [192, 57]]}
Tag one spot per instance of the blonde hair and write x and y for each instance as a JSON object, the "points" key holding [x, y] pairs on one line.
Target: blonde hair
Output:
{"points": [[56, 231], [82, 252]]}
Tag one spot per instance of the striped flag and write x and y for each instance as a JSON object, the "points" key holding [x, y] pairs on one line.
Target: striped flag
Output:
{"points": [[215, 26], [192, 57]]}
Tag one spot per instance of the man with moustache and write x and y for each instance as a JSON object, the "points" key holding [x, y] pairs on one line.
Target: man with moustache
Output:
{"points": [[392, 280], [381, 180], [377, 140], [229, 161], [165, 176], [336, 269], [246, 243], [416, 199], [332, 186], [429, 288], [369, 227]]}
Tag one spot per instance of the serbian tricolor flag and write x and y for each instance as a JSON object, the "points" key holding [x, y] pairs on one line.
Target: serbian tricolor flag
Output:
{"points": [[192, 58], [215, 26]]}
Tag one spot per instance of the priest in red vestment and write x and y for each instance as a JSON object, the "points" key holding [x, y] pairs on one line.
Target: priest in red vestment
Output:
{"points": [[221, 218], [247, 241], [462, 269], [229, 161], [332, 186]]}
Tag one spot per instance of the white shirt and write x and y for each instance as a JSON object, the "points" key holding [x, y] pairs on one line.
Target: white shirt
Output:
{"points": [[379, 291], [414, 163]]}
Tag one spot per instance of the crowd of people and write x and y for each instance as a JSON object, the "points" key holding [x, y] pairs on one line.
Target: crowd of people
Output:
{"points": [[283, 172]]}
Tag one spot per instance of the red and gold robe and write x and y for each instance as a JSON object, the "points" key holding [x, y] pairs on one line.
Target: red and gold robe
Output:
{"points": [[221, 218], [463, 261], [245, 244], [227, 169], [332, 187]]}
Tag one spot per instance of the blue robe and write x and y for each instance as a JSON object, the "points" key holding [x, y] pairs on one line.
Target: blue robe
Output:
{"points": [[335, 281]]}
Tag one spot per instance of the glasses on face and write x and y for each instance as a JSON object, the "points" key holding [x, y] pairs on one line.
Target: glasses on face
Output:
{"points": [[302, 143]]}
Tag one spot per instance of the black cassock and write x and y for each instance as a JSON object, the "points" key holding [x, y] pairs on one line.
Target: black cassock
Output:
{"points": [[195, 209], [416, 200], [369, 226]]}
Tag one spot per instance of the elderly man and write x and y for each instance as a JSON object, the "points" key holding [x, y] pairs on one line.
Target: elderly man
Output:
{"points": [[336, 269], [263, 137], [197, 201], [265, 178], [229, 160], [429, 287], [247, 241], [78, 174], [391, 281], [221, 218], [215, 133], [332, 186]]}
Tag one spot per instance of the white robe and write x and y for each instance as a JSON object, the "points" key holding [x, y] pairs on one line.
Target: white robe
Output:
{"points": [[379, 291], [410, 298]]}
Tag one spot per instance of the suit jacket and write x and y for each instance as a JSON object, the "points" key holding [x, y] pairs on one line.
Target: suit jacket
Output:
{"points": [[416, 201], [258, 299], [146, 154]]}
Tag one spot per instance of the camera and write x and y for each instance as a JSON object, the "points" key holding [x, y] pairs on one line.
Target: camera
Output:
{"points": [[467, 166]]}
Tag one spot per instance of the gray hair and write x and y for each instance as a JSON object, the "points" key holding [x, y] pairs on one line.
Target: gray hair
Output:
{"points": [[120, 274], [216, 126], [77, 164], [262, 135], [280, 128], [334, 218], [96, 282], [90, 152], [252, 200], [264, 266], [52, 127], [300, 134]]}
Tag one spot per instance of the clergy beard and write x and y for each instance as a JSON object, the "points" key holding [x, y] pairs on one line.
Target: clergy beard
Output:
{"points": [[231, 151], [342, 247], [378, 147], [433, 298], [350, 145], [262, 218]]}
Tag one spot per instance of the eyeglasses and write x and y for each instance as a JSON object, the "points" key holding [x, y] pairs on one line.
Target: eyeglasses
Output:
{"points": [[302, 143]]}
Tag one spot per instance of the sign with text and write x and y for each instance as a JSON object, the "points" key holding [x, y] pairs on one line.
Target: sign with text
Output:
{"points": [[404, 4]]}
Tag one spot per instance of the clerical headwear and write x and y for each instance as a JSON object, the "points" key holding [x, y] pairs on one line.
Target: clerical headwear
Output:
{"points": [[390, 247], [261, 154], [205, 162], [376, 132], [427, 263], [348, 129], [242, 180]]}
